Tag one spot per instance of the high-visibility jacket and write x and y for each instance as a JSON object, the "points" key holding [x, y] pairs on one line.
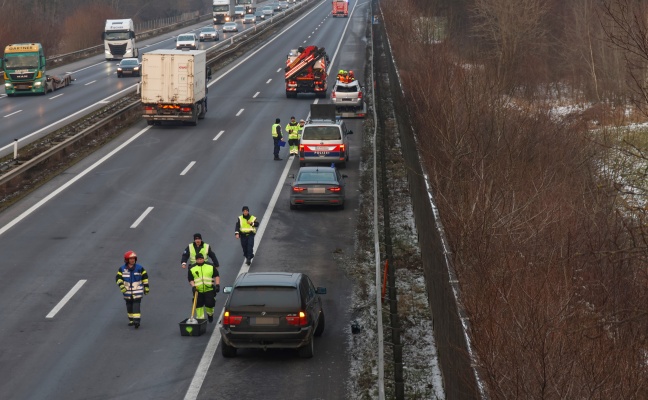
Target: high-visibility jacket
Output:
{"points": [[203, 276], [293, 130], [247, 226], [135, 280], [204, 250], [274, 130]]}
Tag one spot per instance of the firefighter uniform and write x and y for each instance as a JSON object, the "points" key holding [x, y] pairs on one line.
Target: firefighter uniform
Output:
{"points": [[293, 135], [133, 282], [206, 282]]}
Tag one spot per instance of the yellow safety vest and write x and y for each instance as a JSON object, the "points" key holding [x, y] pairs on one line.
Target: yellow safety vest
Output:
{"points": [[293, 131], [192, 252], [274, 130], [203, 277], [246, 224]]}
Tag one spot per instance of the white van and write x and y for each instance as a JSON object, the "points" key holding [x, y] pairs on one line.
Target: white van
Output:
{"points": [[325, 138]]}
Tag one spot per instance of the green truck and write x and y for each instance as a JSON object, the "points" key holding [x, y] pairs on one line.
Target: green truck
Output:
{"points": [[23, 67]]}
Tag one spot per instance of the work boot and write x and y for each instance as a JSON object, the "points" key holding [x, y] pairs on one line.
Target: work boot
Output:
{"points": [[248, 261], [277, 159], [137, 324], [210, 318], [130, 322]]}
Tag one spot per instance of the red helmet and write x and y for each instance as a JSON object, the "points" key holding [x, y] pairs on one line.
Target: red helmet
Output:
{"points": [[129, 254]]}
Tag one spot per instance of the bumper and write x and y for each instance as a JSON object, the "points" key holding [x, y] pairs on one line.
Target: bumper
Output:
{"points": [[317, 200], [266, 340]]}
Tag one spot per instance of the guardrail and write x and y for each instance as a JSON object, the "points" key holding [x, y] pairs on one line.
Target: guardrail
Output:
{"points": [[19, 172]]}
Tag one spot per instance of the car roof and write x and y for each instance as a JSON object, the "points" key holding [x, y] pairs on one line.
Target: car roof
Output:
{"points": [[282, 279], [130, 59], [208, 28]]}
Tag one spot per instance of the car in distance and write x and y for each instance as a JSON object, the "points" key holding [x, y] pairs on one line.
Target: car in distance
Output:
{"points": [[230, 27], [272, 310], [208, 33], [249, 19], [129, 66], [283, 4], [322, 186], [259, 15], [268, 11], [276, 7], [186, 41]]}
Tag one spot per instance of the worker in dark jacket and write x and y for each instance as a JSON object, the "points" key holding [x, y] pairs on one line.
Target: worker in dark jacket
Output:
{"points": [[276, 138], [198, 246], [133, 282], [246, 225]]}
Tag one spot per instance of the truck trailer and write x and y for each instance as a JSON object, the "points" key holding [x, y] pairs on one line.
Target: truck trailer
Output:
{"points": [[25, 72], [174, 86], [306, 71], [340, 8], [223, 11], [119, 39], [250, 5]]}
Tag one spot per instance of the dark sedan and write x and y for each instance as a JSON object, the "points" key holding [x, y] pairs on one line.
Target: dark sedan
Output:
{"points": [[272, 310], [317, 186], [129, 66]]}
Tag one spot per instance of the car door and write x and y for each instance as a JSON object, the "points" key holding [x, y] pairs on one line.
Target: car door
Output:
{"points": [[308, 294]]}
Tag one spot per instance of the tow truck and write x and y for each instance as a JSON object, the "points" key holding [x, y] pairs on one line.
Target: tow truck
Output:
{"points": [[306, 71]]}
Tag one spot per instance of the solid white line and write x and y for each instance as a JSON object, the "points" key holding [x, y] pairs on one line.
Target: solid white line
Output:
{"points": [[70, 182], [219, 135], [141, 218], [240, 112], [191, 164], [90, 66], [68, 117], [58, 95], [255, 95], [269, 80], [90, 83], [13, 113], [66, 298]]}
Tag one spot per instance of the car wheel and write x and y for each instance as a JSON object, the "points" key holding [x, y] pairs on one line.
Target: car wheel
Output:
{"points": [[309, 350], [320, 325], [149, 122], [227, 351]]}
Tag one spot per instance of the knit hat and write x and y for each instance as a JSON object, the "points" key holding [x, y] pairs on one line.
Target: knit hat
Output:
{"points": [[197, 236], [277, 121], [199, 255], [245, 208]]}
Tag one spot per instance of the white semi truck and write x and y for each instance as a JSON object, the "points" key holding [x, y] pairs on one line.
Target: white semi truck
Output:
{"points": [[174, 86], [223, 11], [119, 39]]}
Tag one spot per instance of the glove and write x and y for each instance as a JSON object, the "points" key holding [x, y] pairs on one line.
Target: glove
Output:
{"points": [[146, 290], [122, 288], [194, 289], [217, 288]]}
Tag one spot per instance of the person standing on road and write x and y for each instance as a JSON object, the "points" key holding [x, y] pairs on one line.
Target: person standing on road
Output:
{"points": [[133, 282], [276, 138], [198, 246], [245, 230], [204, 280], [292, 129]]}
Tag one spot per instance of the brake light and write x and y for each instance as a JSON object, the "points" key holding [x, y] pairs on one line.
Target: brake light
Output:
{"points": [[342, 148], [301, 147], [335, 189], [231, 319], [297, 320], [298, 189], [333, 95], [149, 108], [185, 109], [359, 95]]}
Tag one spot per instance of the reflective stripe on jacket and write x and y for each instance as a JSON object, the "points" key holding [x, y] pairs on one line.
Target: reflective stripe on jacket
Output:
{"points": [[204, 250], [293, 131], [203, 277], [246, 224], [274, 130], [133, 279]]}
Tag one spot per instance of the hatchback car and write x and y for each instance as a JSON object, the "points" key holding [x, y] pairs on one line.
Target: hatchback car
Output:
{"points": [[318, 186], [272, 310], [208, 33], [249, 19], [186, 41], [230, 27], [129, 66]]}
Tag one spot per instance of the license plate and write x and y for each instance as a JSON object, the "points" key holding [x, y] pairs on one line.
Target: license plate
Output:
{"points": [[317, 190], [322, 148], [266, 321]]}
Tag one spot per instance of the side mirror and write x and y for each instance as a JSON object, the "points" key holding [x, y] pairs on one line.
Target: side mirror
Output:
{"points": [[350, 133], [227, 289], [103, 35], [344, 176], [320, 290], [291, 176]]}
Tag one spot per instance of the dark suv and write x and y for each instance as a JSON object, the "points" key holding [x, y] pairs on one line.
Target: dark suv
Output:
{"points": [[272, 310]]}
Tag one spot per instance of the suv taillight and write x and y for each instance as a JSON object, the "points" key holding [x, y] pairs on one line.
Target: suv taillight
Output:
{"points": [[333, 95], [297, 320], [231, 319], [360, 94], [335, 189]]}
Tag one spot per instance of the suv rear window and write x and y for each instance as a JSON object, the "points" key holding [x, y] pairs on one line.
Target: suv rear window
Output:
{"points": [[281, 297], [346, 89], [321, 133]]}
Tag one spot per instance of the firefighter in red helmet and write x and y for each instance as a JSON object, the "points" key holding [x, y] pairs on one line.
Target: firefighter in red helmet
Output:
{"points": [[133, 282]]}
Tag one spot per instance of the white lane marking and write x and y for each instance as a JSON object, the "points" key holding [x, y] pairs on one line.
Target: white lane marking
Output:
{"points": [[58, 95], [219, 135], [309, 36], [13, 113], [50, 196], [240, 112], [279, 70], [141, 217], [304, 41], [66, 298], [90, 83], [269, 80], [184, 171], [68, 117], [256, 94], [88, 67]]}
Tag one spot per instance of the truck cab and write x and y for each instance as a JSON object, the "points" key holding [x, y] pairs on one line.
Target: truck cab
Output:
{"points": [[24, 69], [119, 39]]}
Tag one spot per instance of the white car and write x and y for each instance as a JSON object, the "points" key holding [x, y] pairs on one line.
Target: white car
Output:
{"points": [[268, 11], [230, 27], [186, 41], [249, 19], [208, 33]]}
